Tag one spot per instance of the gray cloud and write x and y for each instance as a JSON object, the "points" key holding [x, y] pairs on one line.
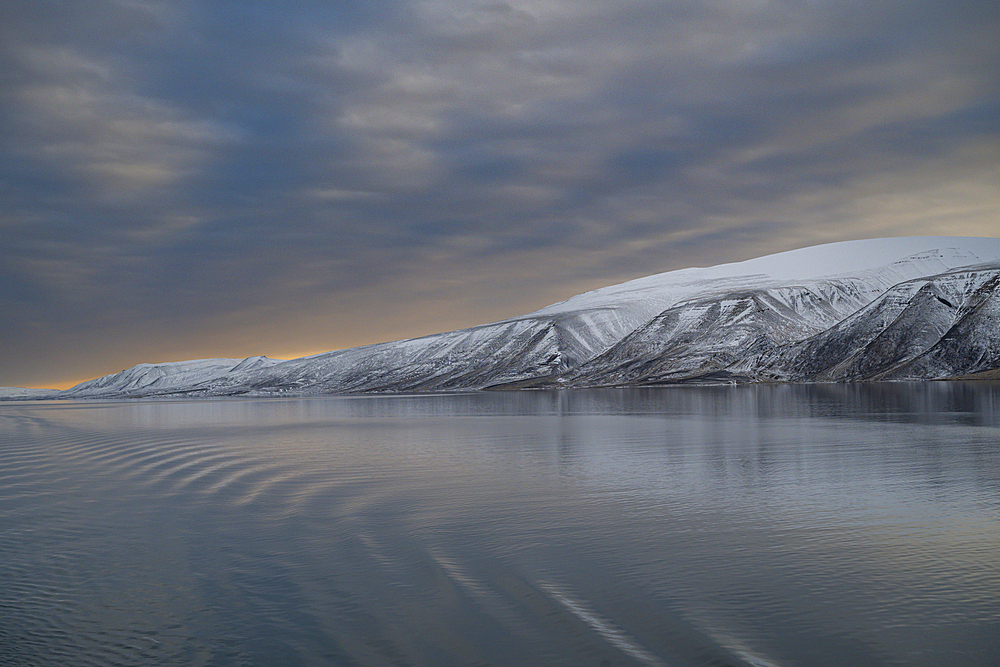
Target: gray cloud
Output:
{"points": [[186, 179]]}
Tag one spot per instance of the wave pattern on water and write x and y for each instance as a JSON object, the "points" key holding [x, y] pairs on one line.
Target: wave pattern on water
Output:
{"points": [[722, 528], [602, 626]]}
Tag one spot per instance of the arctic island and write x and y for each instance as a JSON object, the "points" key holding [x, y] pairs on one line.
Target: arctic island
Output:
{"points": [[914, 308]]}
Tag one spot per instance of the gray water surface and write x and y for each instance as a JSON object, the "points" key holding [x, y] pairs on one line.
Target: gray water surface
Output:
{"points": [[766, 526]]}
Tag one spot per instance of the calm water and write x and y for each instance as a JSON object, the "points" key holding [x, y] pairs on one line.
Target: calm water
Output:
{"points": [[765, 526]]}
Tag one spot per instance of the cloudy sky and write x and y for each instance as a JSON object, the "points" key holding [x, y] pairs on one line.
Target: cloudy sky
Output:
{"points": [[199, 178]]}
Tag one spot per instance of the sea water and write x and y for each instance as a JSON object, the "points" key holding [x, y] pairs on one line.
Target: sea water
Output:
{"points": [[807, 525]]}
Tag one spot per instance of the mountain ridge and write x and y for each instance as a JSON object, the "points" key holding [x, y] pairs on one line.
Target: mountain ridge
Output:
{"points": [[914, 308]]}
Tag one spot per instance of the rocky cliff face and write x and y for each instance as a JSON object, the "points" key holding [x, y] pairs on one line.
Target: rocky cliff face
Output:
{"points": [[931, 328], [707, 338]]}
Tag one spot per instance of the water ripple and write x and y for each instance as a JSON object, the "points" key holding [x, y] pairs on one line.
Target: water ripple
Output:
{"points": [[381, 530]]}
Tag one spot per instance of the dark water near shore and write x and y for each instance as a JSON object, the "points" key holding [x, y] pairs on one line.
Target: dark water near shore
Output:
{"points": [[769, 526]]}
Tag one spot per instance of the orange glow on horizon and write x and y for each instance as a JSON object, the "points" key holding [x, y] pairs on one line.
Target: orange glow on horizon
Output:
{"points": [[299, 354], [58, 385]]}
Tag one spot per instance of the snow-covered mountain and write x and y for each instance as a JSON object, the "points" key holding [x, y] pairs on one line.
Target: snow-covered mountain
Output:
{"points": [[23, 393], [164, 378], [907, 308], [941, 326]]}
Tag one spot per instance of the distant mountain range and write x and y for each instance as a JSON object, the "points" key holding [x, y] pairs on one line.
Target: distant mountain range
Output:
{"points": [[917, 308]]}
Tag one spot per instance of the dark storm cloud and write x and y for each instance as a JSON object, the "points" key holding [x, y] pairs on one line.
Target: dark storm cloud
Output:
{"points": [[190, 178]]}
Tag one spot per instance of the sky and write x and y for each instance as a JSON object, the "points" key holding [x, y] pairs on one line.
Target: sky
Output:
{"points": [[185, 179]]}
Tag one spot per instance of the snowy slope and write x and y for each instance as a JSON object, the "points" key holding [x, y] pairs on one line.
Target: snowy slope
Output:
{"points": [[970, 347], [705, 336], [24, 393], [470, 357], [918, 256], [753, 320], [936, 327], [717, 337], [163, 378]]}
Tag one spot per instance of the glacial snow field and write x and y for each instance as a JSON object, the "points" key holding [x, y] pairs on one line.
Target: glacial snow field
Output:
{"points": [[915, 308]]}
